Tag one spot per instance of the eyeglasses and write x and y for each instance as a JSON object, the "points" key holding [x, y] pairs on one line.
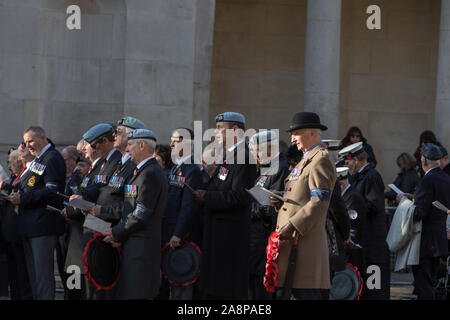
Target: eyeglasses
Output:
{"points": [[94, 145], [355, 136]]}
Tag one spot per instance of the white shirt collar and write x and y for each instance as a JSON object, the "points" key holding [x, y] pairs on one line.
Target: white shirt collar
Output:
{"points": [[110, 154], [431, 169], [360, 170], [125, 157], [311, 149], [44, 149], [143, 162], [345, 190], [235, 146], [183, 160], [95, 162]]}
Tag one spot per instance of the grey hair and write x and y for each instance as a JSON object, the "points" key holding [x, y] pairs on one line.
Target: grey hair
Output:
{"points": [[151, 144]]}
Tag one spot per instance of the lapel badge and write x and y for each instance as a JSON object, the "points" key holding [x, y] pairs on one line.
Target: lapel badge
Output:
{"points": [[223, 173], [31, 181]]}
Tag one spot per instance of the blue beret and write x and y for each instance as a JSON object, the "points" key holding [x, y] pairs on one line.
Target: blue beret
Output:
{"points": [[97, 131], [444, 151], [431, 151], [230, 117], [132, 123], [141, 134], [262, 137]]}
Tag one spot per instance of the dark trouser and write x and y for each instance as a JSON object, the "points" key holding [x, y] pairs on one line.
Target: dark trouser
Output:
{"points": [[385, 281], [425, 278], [307, 294], [78, 294], [61, 253], [256, 289], [18, 275], [39, 256], [181, 292]]}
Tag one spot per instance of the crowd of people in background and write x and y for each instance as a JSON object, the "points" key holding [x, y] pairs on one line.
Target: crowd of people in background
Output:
{"points": [[156, 200]]}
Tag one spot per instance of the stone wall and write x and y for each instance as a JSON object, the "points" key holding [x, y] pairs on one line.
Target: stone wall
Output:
{"points": [[388, 76], [147, 58], [258, 61]]}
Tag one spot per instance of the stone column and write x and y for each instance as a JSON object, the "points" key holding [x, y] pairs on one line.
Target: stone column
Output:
{"points": [[322, 52], [442, 107], [205, 15]]}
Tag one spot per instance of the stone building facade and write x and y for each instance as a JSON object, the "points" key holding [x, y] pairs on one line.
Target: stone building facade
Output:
{"points": [[170, 62]]}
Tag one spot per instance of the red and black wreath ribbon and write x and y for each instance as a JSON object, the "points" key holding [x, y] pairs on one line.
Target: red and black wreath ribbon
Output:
{"points": [[270, 278], [360, 279], [165, 274], [86, 265]]}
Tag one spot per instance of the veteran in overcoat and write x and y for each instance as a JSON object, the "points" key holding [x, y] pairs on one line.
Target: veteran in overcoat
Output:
{"points": [[307, 191]]}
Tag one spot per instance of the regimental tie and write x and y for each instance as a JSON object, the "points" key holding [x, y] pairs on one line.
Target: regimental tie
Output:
{"points": [[18, 177]]}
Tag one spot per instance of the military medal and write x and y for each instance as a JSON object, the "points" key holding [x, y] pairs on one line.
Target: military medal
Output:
{"points": [[100, 178], [261, 181], [177, 181], [178, 173], [31, 181], [115, 182], [37, 168], [130, 191], [85, 182], [223, 173], [295, 173]]}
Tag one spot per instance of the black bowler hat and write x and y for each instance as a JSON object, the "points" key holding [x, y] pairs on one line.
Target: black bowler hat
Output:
{"points": [[101, 263], [305, 120], [181, 266], [346, 284]]}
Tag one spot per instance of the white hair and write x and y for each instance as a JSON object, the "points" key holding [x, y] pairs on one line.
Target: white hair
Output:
{"points": [[151, 144], [432, 162]]}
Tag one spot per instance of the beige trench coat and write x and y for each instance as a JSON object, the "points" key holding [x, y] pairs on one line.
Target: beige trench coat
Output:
{"points": [[315, 171]]}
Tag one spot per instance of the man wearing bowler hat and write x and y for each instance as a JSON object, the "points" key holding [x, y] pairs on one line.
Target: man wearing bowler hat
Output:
{"points": [[139, 231], [308, 189]]}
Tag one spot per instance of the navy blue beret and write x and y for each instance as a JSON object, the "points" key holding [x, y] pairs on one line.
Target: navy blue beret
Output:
{"points": [[431, 151], [132, 123], [141, 134], [97, 131], [230, 117]]}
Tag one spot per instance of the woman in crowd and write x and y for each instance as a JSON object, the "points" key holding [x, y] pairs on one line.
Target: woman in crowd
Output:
{"points": [[354, 135], [407, 178], [163, 156], [425, 137]]}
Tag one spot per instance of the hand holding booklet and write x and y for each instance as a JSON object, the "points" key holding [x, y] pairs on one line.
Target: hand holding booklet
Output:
{"points": [[262, 195]]}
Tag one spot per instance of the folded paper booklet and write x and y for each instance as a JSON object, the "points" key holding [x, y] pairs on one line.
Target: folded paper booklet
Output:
{"points": [[440, 206], [395, 189], [96, 224], [81, 204], [259, 195], [273, 194]]}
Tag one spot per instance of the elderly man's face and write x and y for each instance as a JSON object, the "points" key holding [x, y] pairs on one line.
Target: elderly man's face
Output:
{"points": [[133, 149], [120, 137], [303, 138]]}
